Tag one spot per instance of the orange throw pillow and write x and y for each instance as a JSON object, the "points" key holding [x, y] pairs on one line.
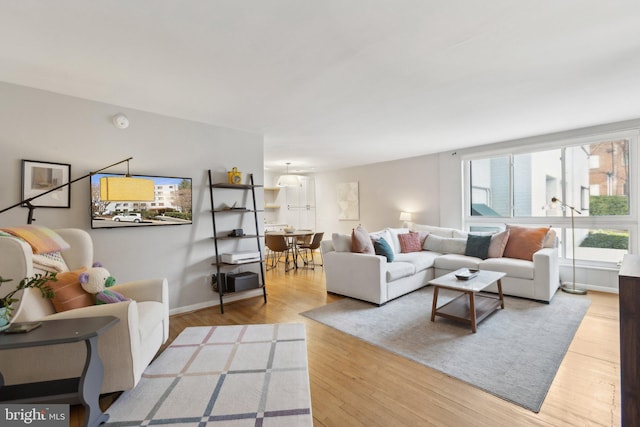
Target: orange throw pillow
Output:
{"points": [[69, 292], [524, 242]]}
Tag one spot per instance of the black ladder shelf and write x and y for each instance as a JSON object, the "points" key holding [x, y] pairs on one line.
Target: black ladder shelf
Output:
{"points": [[219, 264]]}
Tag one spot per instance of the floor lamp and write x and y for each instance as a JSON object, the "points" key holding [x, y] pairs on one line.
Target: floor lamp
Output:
{"points": [[565, 287]]}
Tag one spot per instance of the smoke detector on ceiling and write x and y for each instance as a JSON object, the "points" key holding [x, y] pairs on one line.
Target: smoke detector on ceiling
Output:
{"points": [[120, 121]]}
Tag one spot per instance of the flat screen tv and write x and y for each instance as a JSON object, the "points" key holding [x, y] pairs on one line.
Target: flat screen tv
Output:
{"points": [[171, 206]]}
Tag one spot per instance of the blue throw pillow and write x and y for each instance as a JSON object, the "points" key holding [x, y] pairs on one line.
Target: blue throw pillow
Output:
{"points": [[478, 246], [381, 247]]}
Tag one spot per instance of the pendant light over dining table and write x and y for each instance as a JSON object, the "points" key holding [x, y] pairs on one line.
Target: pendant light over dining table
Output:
{"points": [[288, 180]]}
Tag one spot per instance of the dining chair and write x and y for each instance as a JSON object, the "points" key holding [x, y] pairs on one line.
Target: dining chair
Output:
{"points": [[307, 249], [304, 239], [277, 245]]}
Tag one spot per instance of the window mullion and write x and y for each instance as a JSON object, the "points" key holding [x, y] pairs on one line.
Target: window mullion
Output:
{"points": [[511, 188]]}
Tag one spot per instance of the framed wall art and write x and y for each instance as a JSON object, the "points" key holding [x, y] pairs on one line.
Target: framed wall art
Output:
{"points": [[42, 177], [348, 201]]}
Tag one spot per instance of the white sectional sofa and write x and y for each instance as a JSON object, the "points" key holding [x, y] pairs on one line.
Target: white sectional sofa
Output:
{"points": [[370, 277]]}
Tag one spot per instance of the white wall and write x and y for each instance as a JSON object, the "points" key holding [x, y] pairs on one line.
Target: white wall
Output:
{"points": [[385, 190], [38, 125]]}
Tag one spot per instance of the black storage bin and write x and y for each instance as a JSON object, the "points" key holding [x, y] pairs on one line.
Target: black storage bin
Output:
{"points": [[241, 281]]}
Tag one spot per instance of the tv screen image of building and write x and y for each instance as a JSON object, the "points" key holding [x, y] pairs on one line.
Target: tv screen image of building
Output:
{"points": [[171, 203]]}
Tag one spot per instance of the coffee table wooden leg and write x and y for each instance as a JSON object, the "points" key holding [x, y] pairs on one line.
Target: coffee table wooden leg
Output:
{"points": [[500, 293], [472, 311], [434, 305]]}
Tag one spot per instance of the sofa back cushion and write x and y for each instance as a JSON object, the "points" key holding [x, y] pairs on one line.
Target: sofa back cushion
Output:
{"points": [[437, 231], [524, 241], [341, 242], [395, 240], [445, 245], [383, 234], [550, 241]]}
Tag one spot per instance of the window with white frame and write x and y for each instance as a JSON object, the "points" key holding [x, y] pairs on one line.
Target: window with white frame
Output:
{"points": [[592, 176]]}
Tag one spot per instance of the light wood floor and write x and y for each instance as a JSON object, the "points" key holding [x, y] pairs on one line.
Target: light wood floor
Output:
{"points": [[357, 384]]}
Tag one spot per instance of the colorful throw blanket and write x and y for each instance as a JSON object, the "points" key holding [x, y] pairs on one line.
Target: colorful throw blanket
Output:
{"points": [[42, 240]]}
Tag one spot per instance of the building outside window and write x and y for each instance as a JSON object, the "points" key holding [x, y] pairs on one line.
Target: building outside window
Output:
{"points": [[593, 177]]}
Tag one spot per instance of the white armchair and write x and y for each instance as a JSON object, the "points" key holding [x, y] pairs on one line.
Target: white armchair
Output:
{"points": [[125, 350]]}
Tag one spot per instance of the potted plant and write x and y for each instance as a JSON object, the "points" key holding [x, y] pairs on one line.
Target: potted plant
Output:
{"points": [[38, 281]]}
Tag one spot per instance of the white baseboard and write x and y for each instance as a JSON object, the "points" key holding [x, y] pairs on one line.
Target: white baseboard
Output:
{"points": [[215, 302], [606, 289]]}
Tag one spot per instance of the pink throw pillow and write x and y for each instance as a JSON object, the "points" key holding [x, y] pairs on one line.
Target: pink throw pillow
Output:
{"points": [[410, 242], [498, 243]]}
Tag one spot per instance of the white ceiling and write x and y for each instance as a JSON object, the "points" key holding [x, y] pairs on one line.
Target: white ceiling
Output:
{"points": [[337, 83]]}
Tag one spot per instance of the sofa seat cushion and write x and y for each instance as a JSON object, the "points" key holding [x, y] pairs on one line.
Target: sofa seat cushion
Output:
{"points": [[517, 268], [397, 270], [420, 260], [455, 261], [150, 315]]}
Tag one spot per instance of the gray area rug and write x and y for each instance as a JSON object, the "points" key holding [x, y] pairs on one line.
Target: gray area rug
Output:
{"points": [[514, 354]]}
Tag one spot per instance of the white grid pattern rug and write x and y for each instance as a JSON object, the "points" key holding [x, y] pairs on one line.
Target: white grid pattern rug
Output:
{"points": [[245, 375]]}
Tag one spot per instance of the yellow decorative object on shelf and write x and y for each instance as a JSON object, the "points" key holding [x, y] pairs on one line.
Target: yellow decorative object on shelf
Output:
{"points": [[235, 177]]}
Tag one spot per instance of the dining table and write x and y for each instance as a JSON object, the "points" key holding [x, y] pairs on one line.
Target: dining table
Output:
{"points": [[292, 239]]}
